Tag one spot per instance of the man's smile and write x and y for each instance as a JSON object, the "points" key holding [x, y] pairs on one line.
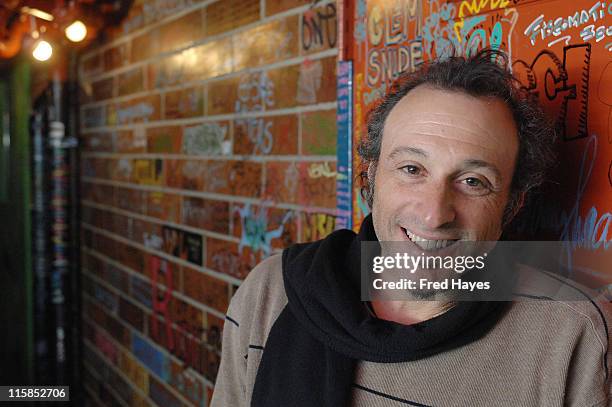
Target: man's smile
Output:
{"points": [[431, 243]]}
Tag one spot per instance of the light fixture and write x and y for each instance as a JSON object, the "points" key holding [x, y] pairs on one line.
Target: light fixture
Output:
{"points": [[76, 32], [43, 15], [42, 50]]}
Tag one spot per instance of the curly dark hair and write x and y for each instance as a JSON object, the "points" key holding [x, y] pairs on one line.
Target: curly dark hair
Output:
{"points": [[485, 74]]}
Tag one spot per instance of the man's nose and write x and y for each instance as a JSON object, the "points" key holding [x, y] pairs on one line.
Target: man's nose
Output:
{"points": [[437, 206]]}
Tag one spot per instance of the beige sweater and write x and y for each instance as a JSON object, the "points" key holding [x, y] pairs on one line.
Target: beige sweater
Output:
{"points": [[540, 353]]}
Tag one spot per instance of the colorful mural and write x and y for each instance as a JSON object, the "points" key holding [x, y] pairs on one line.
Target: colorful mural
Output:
{"points": [[561, 53]]}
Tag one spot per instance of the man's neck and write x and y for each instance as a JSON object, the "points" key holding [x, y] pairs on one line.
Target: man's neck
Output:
{"points": [[410, 312]]}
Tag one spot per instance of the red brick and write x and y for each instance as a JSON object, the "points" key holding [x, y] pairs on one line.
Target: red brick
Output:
{"points": [[171, 268], [244, 178], [121, 170], [188, 318], [132, 314], [319, 134], [266, 43], [130, 82], [282, 180], [206, 214], [103, 194], [317, 185], [225, 257], [192, 173], [145, 46], [116, 56], [174, 173], [222, 96], [230, 14], [129, 199], [102, 89], [276, 135], [184, 103], [180, 32], [142, 109], [214, 58], [166, 72], [164, 206], [276, 6], [319, 29], [129, 256], [206, 289], [316, 81], [116, 277], [166, 139], [285, 86], [128, 141]]}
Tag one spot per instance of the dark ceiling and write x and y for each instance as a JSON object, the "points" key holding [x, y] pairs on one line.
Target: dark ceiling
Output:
{"points": [[17, 23]]}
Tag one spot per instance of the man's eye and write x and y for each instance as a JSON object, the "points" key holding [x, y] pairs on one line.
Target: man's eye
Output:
{"points": [[411, 169], [475, 183]]}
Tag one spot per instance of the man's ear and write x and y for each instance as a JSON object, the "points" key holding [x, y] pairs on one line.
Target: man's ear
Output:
{"points": [[371, 171]]}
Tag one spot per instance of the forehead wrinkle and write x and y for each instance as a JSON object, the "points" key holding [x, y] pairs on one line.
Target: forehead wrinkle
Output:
{"points": [[430, 118], [450, 138], [428, 124]]}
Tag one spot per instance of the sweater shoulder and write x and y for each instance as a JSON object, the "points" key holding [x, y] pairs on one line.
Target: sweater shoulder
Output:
{"points": [[562, 300]]}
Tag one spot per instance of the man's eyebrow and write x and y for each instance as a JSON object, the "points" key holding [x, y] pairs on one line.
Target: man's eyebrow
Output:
{"points": [[410, 150], [475, 163]]}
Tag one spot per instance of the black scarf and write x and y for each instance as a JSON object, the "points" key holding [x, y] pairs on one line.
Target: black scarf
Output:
{"points": [[315, 343]]}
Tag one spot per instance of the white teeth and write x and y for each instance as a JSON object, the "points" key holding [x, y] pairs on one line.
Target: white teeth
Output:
{"points": [[427, 244]]}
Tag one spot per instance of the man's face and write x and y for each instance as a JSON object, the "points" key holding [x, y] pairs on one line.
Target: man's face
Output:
{"points": [[445, 169]]}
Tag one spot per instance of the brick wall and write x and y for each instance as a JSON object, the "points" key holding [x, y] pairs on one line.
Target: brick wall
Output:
{"points": [[208, 141]]}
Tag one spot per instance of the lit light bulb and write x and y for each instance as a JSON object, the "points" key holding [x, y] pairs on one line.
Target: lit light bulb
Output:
{"points": [[42, 50], [76, 31]]}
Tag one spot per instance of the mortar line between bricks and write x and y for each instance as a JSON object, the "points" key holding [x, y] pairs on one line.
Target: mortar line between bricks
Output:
{"points": [[296, 60], [91, 369], [250, 158], [151, 219], [231, 116], [172, 390], [105, 384], [172, 324], [221, 276], [198, 305], [214, 196], [177, 294], [127, 38], [155, 345]]}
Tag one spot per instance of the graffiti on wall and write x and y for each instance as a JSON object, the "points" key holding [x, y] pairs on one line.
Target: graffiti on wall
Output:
{"points": [[254, 226], [319, 28], [255, 94], [564, 91], [558, 50]]}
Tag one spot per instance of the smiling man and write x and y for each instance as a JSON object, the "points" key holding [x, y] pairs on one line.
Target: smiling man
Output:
{"points": [[452, 152]]}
